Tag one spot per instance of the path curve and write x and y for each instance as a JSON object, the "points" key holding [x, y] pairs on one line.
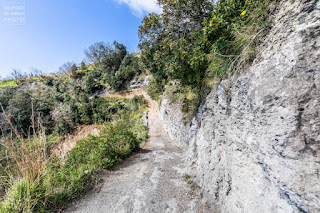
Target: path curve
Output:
{"points": [[149, 181]]}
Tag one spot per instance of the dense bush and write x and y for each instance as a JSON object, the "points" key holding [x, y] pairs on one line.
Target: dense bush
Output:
{"points": [[20, 108], [234, 29], [198, 44], [104, 109], [63, 101], [61, 181], [174, 48], [172, 42], [154, 89], [10, 83], [188, 48], [92, 82], [127, 70], [5, 97], [58, 103]]}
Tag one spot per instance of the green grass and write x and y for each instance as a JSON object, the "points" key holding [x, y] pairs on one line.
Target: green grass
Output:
{"points": [[233, 35], [234, 29], [10, 83], [63, 180]]}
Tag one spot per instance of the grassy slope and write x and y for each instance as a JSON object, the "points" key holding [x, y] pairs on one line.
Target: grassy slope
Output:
{"points": [[62, 180]]}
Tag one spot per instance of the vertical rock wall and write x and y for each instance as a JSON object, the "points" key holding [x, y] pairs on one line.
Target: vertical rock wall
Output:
{"points": [[254, 146]]}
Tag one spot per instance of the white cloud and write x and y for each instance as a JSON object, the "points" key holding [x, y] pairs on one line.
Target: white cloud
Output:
{"points": [[140, 7]]}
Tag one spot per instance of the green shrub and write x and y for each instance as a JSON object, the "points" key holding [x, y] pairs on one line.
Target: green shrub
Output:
{"points": [[5, 98], [60, 181], [115, 142], [175, 47], [234, 28], [20, 108], [155, 89], [10, 83], [92, 82], [138, 128], [118, 79]]}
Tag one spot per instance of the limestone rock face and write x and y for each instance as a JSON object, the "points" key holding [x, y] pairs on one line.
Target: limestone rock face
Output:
{"points": [[172, 116], [137, 83], [254, 145]]}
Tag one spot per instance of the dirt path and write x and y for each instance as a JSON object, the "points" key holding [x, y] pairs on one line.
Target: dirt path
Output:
{"points": [[149, 181]]}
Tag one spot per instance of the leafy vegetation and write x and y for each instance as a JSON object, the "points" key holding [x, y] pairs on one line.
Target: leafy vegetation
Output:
{"points": [[69, 98], [43, 184], [234, 29], [8, 83], [194, 44], [188, 49], [33, 180]]}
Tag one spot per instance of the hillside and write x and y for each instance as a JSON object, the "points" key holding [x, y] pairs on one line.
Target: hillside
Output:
{"points": [[144, 182], [219, 112], [58, 130], [253, 145]]}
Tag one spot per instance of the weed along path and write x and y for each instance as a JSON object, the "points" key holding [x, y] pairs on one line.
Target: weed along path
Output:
{"points": [[151, 180]]}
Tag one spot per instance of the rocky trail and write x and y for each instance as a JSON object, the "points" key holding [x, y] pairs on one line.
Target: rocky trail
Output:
{"points": [[151, 180]]}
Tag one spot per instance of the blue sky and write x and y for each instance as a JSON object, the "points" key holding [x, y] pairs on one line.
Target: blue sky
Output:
{"points": [[57, 31]]}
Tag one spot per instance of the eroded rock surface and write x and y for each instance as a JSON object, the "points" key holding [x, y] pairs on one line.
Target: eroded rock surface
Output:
{"points": [[254, 145]]}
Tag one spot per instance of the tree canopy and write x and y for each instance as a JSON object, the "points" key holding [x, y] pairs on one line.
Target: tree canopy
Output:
{"points": [[172, 42]]}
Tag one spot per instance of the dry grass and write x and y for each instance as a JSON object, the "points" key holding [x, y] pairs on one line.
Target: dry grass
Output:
{"points": [[28, 154], [135, 92], [41, 182], [70, 141]]}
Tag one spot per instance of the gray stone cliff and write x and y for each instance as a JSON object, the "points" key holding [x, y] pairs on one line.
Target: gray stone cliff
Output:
{"points": [[254, 145]]}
